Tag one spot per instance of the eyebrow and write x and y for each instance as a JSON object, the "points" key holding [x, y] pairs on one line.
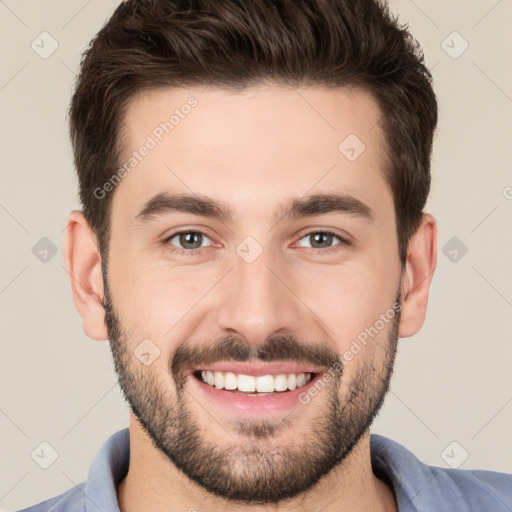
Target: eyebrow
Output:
{"points": [[307, 206]]}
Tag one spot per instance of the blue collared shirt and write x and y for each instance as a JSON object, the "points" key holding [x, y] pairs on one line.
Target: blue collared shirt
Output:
{"points": [[418, 487]]}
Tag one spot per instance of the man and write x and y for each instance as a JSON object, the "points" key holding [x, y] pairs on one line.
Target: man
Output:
{"points": [[253, 244]]}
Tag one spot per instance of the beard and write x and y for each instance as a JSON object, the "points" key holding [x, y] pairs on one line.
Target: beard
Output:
{"points": [[253, 467]]}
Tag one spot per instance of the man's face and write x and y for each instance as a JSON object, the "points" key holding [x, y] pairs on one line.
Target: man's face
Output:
{"points": [[312, 289]]}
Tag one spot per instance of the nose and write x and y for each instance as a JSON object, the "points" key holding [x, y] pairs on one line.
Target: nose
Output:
{"points": [[259, 301]]}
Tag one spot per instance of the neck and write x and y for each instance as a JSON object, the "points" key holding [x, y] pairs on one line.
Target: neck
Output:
{"points": [[154, 484]]}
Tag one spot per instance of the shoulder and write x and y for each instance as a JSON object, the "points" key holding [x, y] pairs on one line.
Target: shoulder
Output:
{"points": [[481, 488], [69, 501], [98, 492], [418, 485]]}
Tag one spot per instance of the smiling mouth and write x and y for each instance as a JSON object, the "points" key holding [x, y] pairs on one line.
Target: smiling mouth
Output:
{"points": [[249, 385]]}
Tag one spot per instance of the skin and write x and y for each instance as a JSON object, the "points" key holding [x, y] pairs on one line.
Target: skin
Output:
{"points": [[252, 150]]}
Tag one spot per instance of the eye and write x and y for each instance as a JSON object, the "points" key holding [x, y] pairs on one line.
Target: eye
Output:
{"points": [[189, 240], [321, 240]]}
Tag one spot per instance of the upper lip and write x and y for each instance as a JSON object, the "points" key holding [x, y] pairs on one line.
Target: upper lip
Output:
{"points": [[258, 369]]}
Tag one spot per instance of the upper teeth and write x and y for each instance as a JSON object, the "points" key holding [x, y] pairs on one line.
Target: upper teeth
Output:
{"points": [[249, 383]]}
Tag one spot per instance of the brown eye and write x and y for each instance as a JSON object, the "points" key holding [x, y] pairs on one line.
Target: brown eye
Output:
{"points": [[188, 240], [322, 240]]}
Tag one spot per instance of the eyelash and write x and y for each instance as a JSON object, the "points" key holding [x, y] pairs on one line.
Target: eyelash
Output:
{"points": [[192, 252]]}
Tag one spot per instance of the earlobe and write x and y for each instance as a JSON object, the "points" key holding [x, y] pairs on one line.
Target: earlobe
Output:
{"points": [[83, 263], [419, 270]]}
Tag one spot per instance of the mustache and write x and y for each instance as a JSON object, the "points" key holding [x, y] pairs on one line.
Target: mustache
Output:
{"points": [[231, 348]]}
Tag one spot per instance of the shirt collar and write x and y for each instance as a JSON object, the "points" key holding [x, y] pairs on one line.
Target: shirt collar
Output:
{"points": [[108, 468], [389, 460]]}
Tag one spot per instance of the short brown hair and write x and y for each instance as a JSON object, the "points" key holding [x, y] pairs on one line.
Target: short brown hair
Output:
{"points": [[149, 44]]}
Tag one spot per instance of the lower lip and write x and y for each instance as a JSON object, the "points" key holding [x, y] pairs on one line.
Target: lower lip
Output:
{"points": [[280, 401]]}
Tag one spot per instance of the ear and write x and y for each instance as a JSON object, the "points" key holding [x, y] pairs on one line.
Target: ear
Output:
{"points": [[419, 270], [83, 263]]}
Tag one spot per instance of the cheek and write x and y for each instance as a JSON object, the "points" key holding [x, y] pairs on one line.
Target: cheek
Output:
{"points": [[153, 298], [349, 298]]}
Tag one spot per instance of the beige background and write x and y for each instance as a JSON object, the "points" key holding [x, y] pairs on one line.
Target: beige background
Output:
{"points": [[453, 380]]}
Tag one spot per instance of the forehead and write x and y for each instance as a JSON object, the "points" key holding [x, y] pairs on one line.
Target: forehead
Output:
{"points": [[252, 148]]}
